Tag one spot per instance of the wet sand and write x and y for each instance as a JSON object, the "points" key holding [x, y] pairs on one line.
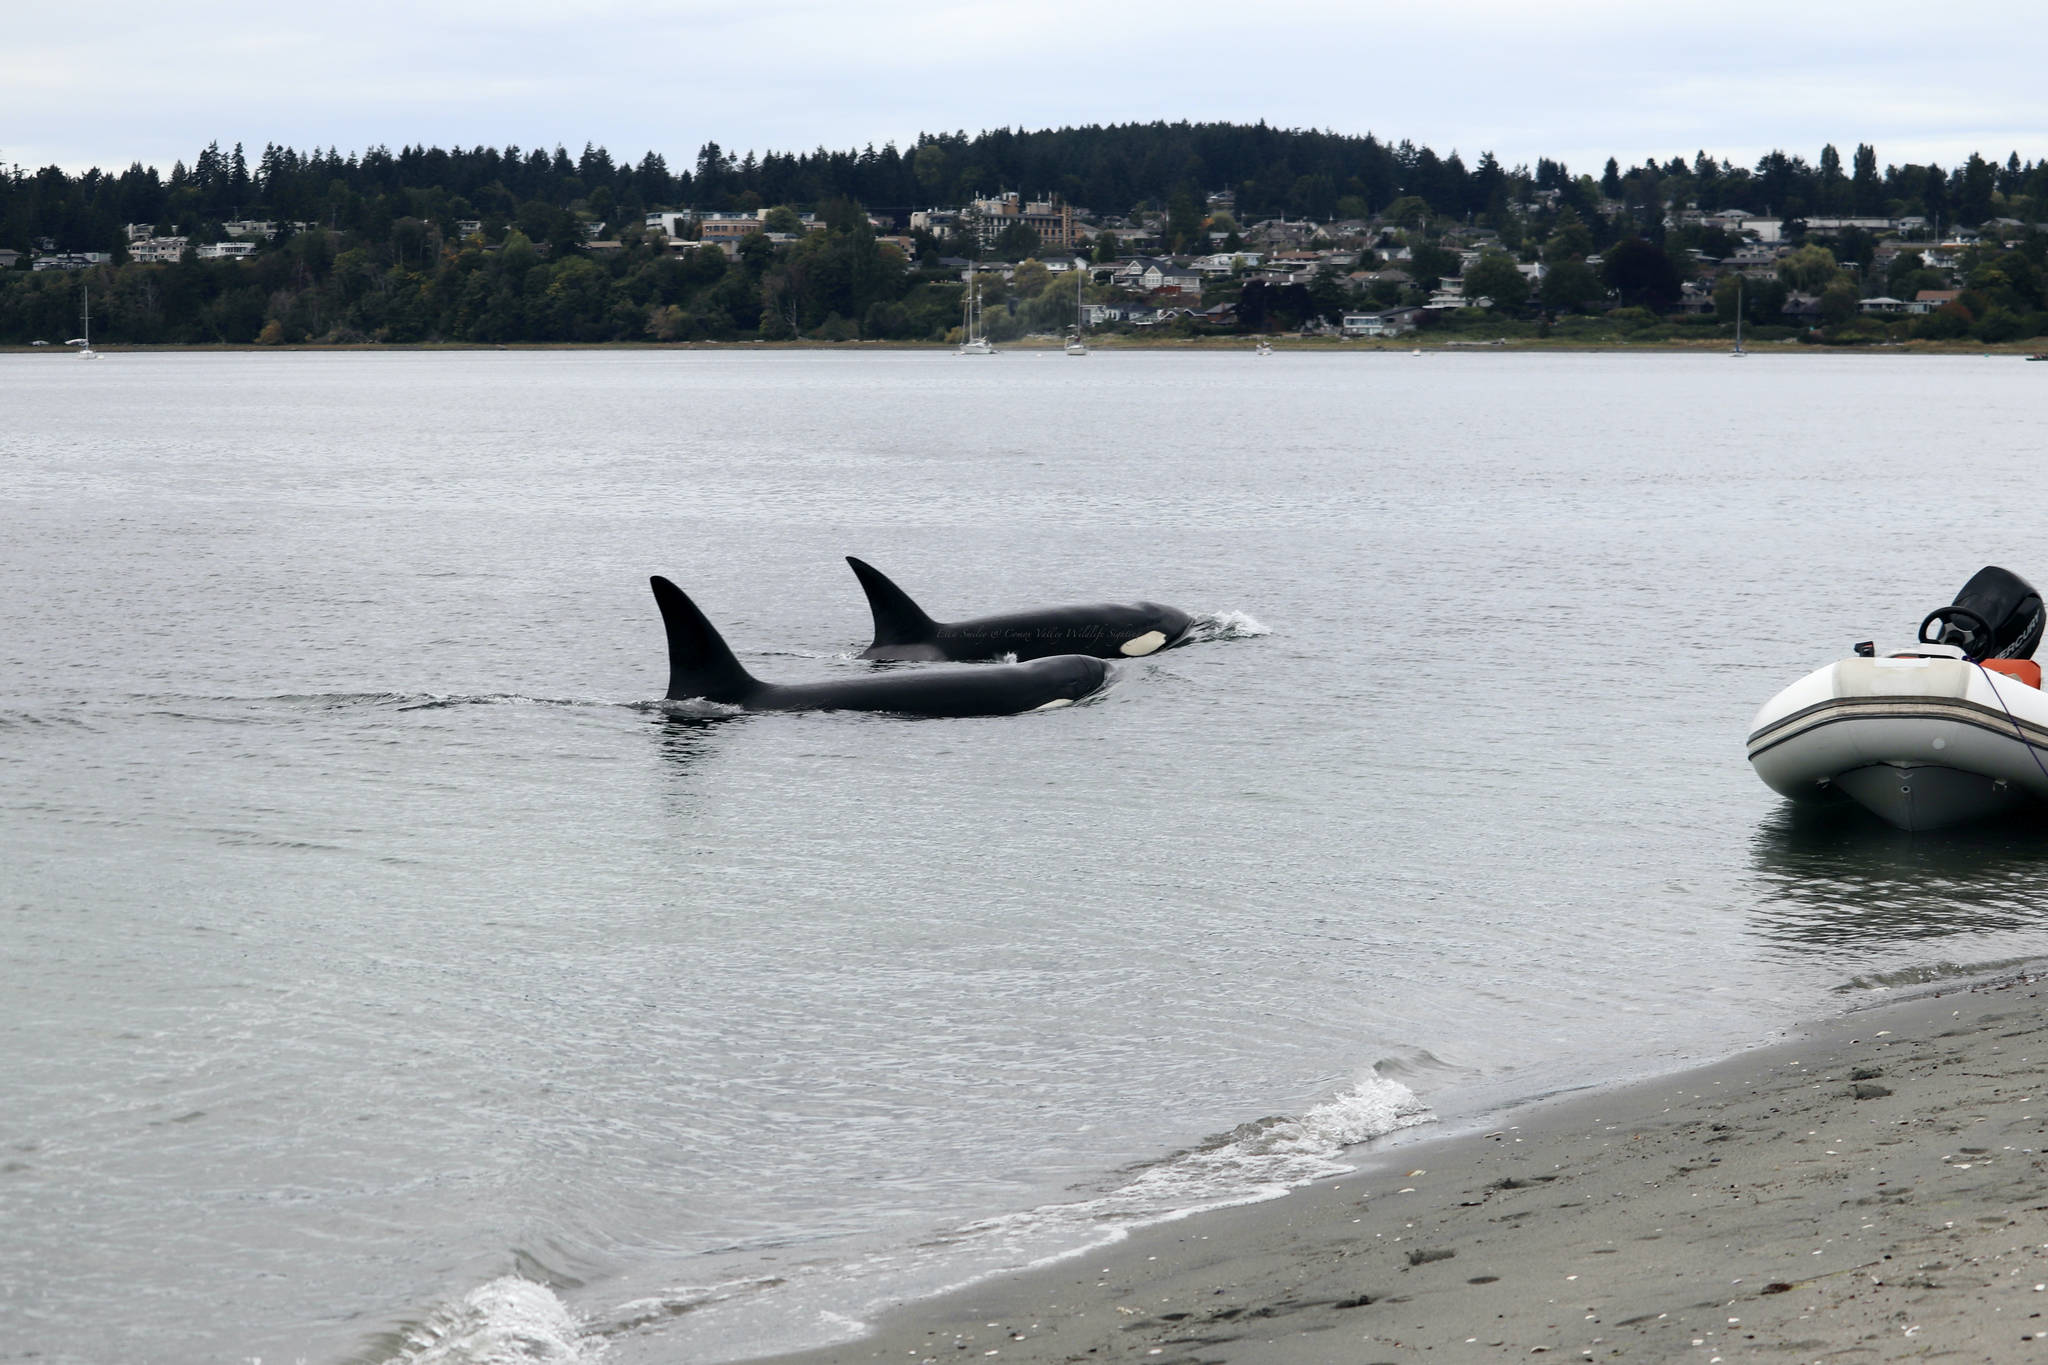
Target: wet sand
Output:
{"points": [[1872, 1190]]}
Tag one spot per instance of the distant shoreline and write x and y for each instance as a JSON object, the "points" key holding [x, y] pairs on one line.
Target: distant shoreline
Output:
{"points": [[1280, 345]]}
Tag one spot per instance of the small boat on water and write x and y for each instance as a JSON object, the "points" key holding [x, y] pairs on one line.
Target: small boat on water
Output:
{"points": [[1077, 344], [973, 340], [84, 341], [1951, 729], [1264, 347]]}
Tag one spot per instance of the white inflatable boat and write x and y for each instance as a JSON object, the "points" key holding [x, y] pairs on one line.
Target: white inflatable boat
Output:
{"points": [[1953, 729]]}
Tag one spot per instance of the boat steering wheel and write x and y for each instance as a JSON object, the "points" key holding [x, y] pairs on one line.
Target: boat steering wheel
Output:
{"points": [[1977, 627]]}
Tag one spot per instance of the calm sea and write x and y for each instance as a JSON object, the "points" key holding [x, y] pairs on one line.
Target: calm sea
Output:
{"points": [[387, 975]]}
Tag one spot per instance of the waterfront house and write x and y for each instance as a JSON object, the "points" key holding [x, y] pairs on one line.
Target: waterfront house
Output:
{"points": [[1882, 304], [1695, 299], [1273, 273], [1450, 293], [158, 250], [1386, 322], [1757, 262], [1150, 274], [69, 260], [1827, 226], [1927, 300], [1368, 278], [1801, 308]]}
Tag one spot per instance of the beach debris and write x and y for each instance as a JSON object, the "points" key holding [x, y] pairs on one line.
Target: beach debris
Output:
{"points": [[1869, 1090], [1424, 1255]]}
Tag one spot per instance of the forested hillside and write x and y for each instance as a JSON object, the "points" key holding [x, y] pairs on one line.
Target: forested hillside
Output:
{"points": [[384, 253]]}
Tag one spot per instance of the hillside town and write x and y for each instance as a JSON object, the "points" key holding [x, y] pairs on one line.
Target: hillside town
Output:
{"points": [[1628, 256]]}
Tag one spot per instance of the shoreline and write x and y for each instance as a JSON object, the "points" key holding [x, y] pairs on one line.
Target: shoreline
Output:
{"points": [[1053, 346], [1871, 1187]]}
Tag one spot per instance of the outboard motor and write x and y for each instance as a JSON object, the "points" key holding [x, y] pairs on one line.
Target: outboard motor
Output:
{"points": [[2007, 605]]}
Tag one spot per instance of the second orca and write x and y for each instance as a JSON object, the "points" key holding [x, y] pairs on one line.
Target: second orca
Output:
{"points": [[1105, 630], [701, 665]]}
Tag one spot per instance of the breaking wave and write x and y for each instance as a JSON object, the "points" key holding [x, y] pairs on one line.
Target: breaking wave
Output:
{"points": [[510, 1321], [1257, 1160], [1224, 625], [826, 1303]]}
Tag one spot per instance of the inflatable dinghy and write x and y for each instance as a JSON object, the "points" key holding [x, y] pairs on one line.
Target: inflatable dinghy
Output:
{"points": [[1951, 730]]}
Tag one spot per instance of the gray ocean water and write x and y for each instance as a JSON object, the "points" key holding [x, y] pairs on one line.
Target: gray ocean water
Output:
{"points": [[387, 975]]}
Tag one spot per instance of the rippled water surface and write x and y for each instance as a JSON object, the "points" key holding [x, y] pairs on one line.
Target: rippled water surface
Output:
{"points": [[387, 975]]}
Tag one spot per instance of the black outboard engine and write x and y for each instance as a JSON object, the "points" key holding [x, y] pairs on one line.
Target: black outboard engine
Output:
{"points": [[2006, 603]]}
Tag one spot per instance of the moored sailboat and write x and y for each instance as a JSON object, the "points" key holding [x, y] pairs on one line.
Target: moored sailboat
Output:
{"points": [[84, 341], [973, 342], [1077, 343]]}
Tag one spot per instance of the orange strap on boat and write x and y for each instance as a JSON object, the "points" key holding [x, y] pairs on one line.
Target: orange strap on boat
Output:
{"points": [[2026, 670]]}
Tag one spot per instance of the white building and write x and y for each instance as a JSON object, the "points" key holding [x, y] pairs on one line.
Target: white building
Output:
{"points": [[158, 250], [1391, 322]]}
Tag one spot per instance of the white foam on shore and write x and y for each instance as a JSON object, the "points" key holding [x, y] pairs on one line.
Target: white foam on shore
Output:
{"points": [[829, 1302], [510, 1321], [1257, 1160]]}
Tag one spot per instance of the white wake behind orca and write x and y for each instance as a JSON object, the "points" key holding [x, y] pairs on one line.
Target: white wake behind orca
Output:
{"points": [[700, 664], [1105, 630]]}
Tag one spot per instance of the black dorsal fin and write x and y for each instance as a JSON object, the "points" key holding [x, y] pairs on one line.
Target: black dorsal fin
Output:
{"points": [[898, 620], [699, 662]]}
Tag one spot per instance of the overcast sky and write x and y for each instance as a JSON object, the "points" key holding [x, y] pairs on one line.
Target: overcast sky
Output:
{"points": [[1575, 79]]}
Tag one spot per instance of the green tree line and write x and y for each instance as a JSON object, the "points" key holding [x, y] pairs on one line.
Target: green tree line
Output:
{"points": [[1107, 169], [838, 283], [384, 254]]}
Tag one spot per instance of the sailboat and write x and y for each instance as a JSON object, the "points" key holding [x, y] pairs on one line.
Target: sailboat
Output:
{"points": [[1076, 345], [84, 343], [1264, 347], [974, 343], [1738, 318]]}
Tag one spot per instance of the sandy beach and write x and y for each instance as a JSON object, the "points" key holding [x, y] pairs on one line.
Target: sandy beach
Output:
{"points": [[1873, 1189]]}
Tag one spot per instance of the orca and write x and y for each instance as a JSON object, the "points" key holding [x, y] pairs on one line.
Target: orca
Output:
{"points": [[1105, 630], [700, 664]]}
